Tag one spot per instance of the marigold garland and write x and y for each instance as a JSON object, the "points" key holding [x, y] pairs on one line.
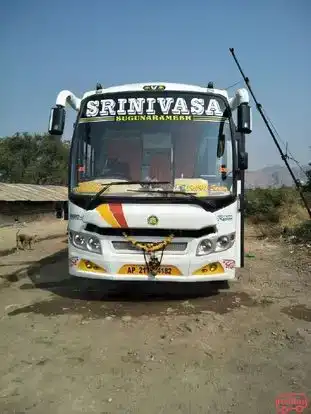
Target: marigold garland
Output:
{"points": [[150, 247]]}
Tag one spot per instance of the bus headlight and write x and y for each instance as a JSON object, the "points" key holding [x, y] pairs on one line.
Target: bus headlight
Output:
{"points": [[85, 242], [93, 244], [215, 244], [205, 247], [224, 242]]}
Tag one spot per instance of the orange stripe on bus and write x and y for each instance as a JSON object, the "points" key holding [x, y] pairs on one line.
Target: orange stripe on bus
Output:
{"points": [[117, 211]]}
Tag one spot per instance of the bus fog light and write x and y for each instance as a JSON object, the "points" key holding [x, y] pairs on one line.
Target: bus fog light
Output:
{"points": [[213, 267], [88, 265], [205, 247]]}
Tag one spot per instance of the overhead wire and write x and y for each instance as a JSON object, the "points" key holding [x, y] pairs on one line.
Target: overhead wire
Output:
{"points": [[232, 86], [288, 154], [275, 138]]}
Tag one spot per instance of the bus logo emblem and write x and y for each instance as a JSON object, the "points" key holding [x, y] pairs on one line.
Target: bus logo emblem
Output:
{"points": [[153, 220], [154, 88]]}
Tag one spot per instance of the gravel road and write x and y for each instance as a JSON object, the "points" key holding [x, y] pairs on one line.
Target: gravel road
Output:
{"points": [[72, 346]]}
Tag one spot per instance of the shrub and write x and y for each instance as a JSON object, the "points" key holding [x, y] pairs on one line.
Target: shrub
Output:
{"points": [[278, 211], [302, 232], [264, 204]]}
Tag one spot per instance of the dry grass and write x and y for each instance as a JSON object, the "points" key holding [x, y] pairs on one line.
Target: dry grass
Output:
{"points": [[280, 218]]}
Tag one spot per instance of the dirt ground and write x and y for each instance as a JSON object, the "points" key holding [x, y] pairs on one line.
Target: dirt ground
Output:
{"points": [[76, 346], [47, 228]]}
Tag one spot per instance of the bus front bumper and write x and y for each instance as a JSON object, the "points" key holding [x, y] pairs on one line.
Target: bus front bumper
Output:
{"points": [[174, 268]]}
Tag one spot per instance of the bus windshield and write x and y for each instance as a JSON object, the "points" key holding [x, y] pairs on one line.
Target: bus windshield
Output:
{"points": [[184, 150]]}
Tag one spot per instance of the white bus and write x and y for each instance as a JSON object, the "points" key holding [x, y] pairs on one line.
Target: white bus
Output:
{"points": [[156, 182]]}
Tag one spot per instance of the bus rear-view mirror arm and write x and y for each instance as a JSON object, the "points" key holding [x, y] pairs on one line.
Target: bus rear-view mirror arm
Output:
{"points": [[58, 113]]}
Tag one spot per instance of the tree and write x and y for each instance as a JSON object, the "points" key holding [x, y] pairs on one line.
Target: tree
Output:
{"points": [[308, 174], [308, 184], [34, 159]]}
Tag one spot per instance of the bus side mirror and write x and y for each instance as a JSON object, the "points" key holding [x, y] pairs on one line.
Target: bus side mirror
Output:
{"points": [[57, 120], [243, 161], [244, 119]]}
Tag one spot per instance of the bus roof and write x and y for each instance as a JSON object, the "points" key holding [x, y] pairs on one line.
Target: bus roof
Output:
{"points": [[180, 87]]}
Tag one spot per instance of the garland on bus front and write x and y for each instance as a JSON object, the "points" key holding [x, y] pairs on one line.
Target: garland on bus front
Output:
{"points": [[150, 247], [153, 263]]}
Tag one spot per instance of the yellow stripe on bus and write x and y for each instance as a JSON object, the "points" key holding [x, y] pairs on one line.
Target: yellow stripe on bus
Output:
{"points": [[107, 215]]}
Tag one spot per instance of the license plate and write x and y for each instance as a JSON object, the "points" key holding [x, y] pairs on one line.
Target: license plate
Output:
{"points": [[130, 269]]}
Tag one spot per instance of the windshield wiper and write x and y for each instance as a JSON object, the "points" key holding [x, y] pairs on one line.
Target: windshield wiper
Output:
{"points": [[106, 186], [191, 195], [198, 200]]}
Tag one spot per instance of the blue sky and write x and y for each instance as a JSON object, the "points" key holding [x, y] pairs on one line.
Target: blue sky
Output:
{"points": [[72, 44]]}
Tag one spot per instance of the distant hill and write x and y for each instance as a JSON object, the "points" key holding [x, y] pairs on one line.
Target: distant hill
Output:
{"points": [[273, 176]]}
